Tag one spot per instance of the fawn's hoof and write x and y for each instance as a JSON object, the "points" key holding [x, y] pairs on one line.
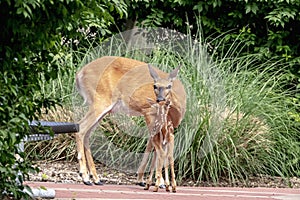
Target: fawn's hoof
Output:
{"points": [[167, 188], [99, 183], [174, 189], [147, 187]]}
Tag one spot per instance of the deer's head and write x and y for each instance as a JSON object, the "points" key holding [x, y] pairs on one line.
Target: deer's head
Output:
{"points": [[158, 112], [162, 86]]}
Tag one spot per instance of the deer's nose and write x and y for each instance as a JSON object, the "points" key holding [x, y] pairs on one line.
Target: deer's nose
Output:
{"points": [[159, 99]]}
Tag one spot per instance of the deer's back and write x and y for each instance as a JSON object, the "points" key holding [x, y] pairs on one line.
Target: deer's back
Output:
{"points": [[126, 80]]}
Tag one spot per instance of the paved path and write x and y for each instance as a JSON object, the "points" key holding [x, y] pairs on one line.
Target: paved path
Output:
{"points": [[116, 192]]}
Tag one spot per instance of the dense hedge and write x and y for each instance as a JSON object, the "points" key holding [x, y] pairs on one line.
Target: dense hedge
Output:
{"points": [[33, 35]]}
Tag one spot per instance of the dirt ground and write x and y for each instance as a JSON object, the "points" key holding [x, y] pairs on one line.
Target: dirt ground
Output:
{"points": [[67, 172]]}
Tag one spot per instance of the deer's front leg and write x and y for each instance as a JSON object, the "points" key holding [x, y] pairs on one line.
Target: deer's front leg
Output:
{"points": [[142, 167]]}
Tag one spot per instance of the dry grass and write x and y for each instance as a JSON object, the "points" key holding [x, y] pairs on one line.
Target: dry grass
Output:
{"points": [[62, 146]]}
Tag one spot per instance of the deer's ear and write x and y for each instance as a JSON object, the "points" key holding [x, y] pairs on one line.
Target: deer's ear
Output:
{"points": [[153, 73], [173, 74]]}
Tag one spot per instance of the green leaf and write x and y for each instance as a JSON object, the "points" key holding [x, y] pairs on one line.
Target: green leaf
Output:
{"points": [[251, 8]]}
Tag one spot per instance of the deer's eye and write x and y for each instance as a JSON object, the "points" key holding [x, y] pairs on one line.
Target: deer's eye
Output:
{"points": [[155, 87], [169, 87]]}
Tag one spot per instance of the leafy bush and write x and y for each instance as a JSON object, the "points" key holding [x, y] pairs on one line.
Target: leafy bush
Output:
{"points": [[32, 36]]}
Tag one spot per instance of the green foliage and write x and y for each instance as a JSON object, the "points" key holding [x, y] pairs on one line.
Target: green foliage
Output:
{"points": [[33, 34], [267, 27]]}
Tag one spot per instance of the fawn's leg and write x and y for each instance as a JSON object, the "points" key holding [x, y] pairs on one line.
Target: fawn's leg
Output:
{"points": [[149, 180], [171, 160], [159, 165], [167, 181]]}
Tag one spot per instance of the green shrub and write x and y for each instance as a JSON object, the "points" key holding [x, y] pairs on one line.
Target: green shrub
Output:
{"points": [[31, 40]]}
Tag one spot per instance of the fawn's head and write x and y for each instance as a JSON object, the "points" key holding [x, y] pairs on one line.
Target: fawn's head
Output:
{"points": [[162, 86]]}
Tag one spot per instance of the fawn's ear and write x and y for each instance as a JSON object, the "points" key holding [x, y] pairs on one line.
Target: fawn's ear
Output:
{"points": [[168, 102], [153, 73], [173, 74]]}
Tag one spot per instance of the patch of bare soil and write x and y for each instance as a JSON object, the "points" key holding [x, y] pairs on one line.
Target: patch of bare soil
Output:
{"points": [[67, 172]]}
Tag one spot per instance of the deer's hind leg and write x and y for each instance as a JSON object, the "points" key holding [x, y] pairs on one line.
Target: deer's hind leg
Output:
{"points": [[85, 126], [87, 167]]}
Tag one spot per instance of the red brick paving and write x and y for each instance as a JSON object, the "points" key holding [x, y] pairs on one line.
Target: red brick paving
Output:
{"points": [[66, 191]]}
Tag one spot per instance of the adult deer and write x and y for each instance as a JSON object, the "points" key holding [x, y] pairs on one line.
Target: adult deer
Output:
{"points": [[114, 84]]}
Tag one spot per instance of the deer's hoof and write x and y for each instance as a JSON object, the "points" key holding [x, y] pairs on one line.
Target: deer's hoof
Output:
{"points": [[99, 183], [87, 183], [155, 189], [142, 184], [162, 186]]}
